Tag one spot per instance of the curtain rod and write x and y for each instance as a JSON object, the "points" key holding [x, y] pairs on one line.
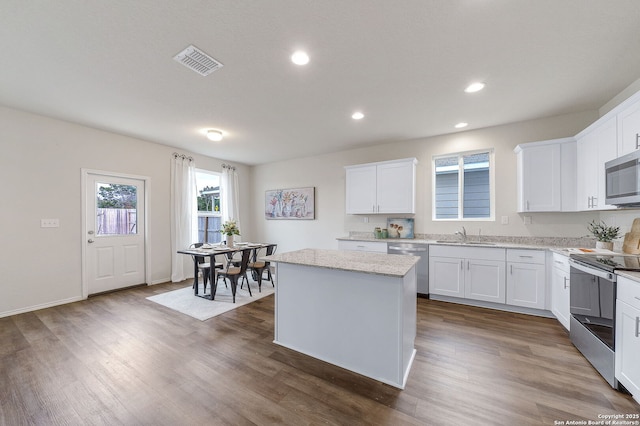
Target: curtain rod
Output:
{"points": [[227, 166], [182, 156]]}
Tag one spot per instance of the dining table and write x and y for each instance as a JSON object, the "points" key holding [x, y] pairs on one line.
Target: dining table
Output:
{"points": [[211, 251]]}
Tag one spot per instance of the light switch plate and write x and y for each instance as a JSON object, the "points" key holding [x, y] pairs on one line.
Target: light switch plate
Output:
{"points": [[505, 220], [527, 220], [49, 223]]}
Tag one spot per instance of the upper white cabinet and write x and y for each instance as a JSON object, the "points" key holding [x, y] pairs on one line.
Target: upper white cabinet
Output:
{"points": [[387, 187], [597, 144], [546, 177], [629, 129]]}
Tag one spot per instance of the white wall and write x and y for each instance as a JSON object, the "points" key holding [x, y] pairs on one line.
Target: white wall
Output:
{"points": [[40, 173], [326, 173]]}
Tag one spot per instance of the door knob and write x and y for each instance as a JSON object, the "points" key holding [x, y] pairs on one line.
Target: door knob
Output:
{"points": [[90, 240]]}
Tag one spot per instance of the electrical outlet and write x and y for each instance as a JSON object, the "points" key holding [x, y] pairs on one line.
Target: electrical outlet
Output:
{"points": [[527, 220], [505, 220], [49, 223]]}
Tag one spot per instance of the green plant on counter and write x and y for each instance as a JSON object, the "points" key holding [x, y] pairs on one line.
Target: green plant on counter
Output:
{"points": [[603, 232]]}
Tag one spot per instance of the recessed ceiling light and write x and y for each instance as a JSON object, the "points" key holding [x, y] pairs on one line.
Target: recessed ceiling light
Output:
{"points": [[357, 115], [300, 58], [474, 87], [214, 135], [461, 125]]}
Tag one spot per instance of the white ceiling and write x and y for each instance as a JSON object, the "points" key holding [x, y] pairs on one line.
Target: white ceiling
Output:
{"points": [[404, 63]]}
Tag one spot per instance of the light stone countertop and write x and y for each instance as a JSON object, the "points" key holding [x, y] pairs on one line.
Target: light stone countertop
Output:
{"points": [[629, 274], [392, 265]]}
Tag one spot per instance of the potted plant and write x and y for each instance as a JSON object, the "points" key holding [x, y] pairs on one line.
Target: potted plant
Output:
{"points": [[230, 228], [604, 234]]}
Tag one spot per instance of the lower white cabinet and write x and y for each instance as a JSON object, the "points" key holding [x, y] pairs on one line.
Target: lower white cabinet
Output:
{"points": [[560, 287], [373, 246], [628, 335], [526, 278], [467, 272]]}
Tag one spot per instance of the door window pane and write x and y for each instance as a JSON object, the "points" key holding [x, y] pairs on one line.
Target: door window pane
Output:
{"points": [[116, 209]]}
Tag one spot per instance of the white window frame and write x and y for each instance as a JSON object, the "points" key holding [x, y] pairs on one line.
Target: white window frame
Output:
{"points": [[492, 186]]}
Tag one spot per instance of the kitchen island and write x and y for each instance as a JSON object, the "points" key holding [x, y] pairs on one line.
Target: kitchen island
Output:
{"points": [[356, 310]]}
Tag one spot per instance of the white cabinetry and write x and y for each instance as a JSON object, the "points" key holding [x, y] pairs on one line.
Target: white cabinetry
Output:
{"points": [[560, 287], [467, 272], [526, 278], [371, 246], [628, 335], [629, 129], [597, 144], [387, 187], [546, 176]]}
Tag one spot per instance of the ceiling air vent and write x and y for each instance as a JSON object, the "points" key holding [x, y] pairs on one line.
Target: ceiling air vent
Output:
{"points": [[195, 59]]}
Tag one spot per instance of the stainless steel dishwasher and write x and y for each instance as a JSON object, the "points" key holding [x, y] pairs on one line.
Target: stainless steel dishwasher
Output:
{"points": [[422, 267]]}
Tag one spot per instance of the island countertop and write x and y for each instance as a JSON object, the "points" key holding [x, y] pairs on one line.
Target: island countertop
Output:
{"points": [[392, 265]]}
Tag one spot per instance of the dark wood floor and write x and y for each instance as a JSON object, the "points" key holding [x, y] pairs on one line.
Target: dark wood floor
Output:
{"points": [[121, 359]]}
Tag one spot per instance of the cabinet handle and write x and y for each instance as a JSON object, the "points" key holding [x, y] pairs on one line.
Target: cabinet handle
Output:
{"points": [[527, 205], [637, 140], [565, 283], [511, 269], [527, 257], [559, 262], [461, 263], [468, 265], [637, 326], [588, 202], [636, 297]]}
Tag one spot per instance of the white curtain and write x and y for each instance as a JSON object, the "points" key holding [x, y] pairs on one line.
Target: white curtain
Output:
{"points": [[229, 195], [184, 218]]}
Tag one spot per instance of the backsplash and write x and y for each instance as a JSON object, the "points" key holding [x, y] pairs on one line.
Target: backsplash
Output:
{"points": [[584, 242]]}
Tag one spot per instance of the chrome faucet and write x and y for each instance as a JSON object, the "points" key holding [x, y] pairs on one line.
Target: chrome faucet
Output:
{"points": [[463, 234]]}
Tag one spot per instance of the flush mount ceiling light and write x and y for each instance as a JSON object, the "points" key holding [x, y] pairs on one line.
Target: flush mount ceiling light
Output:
{"points": [[357, 115], [300, 58], [474, 87], [214, 135], [461, 125]]}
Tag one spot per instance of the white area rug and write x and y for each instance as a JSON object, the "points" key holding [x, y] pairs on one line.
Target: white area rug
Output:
{"points": [[186, 302]]}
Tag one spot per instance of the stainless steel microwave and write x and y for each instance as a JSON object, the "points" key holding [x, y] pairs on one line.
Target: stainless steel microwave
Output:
{"points": [[623, 180]]}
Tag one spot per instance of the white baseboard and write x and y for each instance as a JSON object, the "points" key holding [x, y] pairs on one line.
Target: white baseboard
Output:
{"points": [[40, 306]]}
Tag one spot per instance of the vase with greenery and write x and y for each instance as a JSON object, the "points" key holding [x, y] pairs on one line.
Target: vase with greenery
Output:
{"points": [[604, 234], [230, 228]]}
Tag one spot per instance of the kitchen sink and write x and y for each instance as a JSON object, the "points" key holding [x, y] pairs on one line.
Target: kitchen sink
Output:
{"points": [[475, 243]]}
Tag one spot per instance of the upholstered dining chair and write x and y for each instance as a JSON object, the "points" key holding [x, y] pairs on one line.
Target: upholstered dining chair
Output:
{"points": [[234, 273]]}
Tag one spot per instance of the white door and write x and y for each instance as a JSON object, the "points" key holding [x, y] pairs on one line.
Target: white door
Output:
{"points": [[115, 232]]}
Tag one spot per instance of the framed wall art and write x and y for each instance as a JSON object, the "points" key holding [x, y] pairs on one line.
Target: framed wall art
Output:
{"points": [[295, 203]]}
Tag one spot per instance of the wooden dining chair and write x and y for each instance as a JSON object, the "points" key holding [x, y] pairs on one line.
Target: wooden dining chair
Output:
{"points": [[234, 273]]}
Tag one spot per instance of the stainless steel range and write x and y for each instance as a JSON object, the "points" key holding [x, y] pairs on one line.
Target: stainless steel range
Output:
{"points": [[593, 307]]}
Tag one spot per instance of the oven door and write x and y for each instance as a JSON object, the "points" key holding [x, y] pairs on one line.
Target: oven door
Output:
{"points": [[593, 296]]}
